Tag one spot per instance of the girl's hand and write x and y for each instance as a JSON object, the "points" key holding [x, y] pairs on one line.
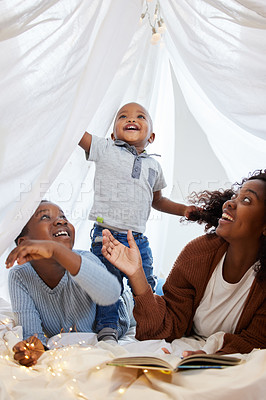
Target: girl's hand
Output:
{"points": [[30, 250], [28, 351], [127, 260]]}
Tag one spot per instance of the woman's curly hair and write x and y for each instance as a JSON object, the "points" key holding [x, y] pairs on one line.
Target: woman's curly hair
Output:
{"points": [[211, 202]]}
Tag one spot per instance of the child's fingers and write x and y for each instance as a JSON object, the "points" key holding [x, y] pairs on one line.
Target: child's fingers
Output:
{"points": [[33, 340], [33, 343], [19, 259], [12, 257], [22, 256], [19, 255], [25, 359], [19, 347]]}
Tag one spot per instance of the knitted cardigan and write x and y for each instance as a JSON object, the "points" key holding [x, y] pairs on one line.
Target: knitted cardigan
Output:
{"points": [[171, 316]]}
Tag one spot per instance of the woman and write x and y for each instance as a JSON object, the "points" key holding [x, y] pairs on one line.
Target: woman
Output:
{"points": [[217, 282]]}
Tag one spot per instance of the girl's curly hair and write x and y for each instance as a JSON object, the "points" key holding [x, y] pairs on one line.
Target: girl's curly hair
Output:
{"points": [[211, 202]]}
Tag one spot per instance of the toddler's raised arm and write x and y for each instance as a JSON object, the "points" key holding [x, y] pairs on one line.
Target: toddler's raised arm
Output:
{"points": [[85, 142]]}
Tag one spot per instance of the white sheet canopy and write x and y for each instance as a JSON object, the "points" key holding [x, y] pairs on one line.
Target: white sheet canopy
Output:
{"points": [[67, 66]]}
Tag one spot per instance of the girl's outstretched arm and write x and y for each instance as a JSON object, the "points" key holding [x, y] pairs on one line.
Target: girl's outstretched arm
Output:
{"points": [[127, 260], [29, 250]]}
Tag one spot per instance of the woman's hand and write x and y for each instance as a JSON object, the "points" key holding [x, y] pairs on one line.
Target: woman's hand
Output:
{"points": [[28, 351], [185, 353], [190, 353], [30, 250], [126, 259]]}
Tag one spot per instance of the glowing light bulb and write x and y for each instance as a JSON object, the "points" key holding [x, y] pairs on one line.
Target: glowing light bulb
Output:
{"points": [[141, 18], [156, 37], [161, 26]]}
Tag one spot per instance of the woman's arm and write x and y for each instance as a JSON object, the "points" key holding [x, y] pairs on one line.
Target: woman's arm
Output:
{"points": [[158, 317], [169, 316], [127, 260]]}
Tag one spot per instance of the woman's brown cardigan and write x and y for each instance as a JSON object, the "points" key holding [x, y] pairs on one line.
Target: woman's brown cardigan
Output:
{"points": [[171, 316]]}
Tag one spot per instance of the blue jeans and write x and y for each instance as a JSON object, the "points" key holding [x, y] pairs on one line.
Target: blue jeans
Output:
{"points": [[107, 316]]}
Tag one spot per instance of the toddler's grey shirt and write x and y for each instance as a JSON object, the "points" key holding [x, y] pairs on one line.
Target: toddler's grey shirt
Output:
{"points": [[124, 183]]}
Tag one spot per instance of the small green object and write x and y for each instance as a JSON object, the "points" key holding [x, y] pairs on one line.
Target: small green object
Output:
{"points": [[99, 219]]}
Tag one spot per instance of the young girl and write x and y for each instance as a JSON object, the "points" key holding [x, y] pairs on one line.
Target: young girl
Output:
{"points": [[54, 288]]}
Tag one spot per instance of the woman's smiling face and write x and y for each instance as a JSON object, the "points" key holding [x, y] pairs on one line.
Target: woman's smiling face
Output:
{"points": [[244, 215]]}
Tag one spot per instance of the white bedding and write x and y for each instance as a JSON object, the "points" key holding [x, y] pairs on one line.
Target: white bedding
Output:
{"points": [[75, 369]]}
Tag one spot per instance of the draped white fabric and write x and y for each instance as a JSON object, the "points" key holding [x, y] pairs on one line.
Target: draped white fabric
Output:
{"points": [[76, 369], [67, 66]]}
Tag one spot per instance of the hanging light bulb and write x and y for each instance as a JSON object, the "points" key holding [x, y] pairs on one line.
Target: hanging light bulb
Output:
{"points": [[155, 16], [157, 25], [141, 18], [161, 26], [156, 37]]}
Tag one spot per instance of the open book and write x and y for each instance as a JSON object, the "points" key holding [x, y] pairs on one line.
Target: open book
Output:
{"points": [[172, 363]]}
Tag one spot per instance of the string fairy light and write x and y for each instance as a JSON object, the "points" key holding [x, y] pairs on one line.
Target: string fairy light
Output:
{"points": [[56, 366], [55, 369], [6, 322], [156, 23]]}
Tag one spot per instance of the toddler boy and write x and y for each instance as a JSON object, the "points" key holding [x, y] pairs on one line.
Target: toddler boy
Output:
{"points": [[128, 182]]}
